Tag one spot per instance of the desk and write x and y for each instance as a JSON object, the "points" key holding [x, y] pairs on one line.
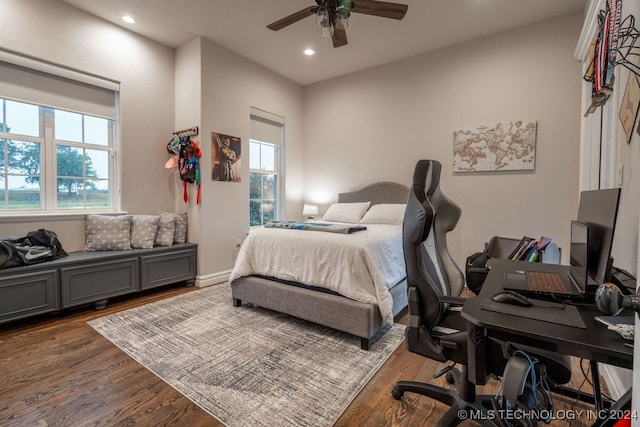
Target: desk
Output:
{"points": [[595, 343]]}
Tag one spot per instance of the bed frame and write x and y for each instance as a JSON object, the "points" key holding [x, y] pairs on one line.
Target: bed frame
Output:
{"points": [[328, 309]]}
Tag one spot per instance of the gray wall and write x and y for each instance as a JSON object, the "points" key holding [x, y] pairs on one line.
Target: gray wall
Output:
{"points": [[375, 124], [230, 86], [162, 89], [56, 32], [346, 132]]}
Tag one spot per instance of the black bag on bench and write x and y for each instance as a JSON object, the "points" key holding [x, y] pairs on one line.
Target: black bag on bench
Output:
{"points": [[36, 247]]}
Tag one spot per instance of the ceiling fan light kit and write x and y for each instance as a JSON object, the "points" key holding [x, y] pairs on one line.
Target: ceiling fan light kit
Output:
{"points": [[333, 16], [322, 16], [342, 17]]}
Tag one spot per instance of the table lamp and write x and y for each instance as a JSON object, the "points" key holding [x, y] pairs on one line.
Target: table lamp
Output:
{"points": [[310, 211]]}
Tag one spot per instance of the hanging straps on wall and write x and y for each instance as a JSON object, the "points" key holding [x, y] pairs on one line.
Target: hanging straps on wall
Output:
{"points": [[188, 155], [617, 44]]}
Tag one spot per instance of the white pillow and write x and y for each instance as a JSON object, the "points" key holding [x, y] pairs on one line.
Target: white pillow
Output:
{"points": [[180, 227], [346, 212], [384, 214], [107, 233], [143, 231], [166, 229]]}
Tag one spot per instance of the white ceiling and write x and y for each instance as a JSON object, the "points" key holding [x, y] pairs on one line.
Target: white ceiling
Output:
{"points": [[240, 25]]}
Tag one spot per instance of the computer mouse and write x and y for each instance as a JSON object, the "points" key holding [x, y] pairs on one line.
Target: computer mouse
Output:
{"points": [[513, 298]]}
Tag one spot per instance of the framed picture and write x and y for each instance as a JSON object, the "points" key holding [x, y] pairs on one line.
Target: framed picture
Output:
{"points": [[507, 146], [225, 157], [629, 105]]}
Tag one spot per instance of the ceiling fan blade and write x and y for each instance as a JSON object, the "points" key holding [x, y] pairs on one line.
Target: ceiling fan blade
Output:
{"points": [[380, 8], [339, 37], [291, 19]]}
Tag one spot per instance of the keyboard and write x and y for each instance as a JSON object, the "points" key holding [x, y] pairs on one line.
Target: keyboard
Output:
{"points": [[547, 282]]}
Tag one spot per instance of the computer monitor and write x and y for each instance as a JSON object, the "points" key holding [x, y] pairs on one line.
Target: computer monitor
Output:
{"points": [[578, 254], [599, 210]]}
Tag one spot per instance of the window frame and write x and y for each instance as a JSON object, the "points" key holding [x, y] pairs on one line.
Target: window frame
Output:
{"points": [[274, 134], [76, 99], [48, 164], [276, 172]]}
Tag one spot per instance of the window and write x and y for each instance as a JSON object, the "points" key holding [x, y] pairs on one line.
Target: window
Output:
{"points": [[266, 168], [41, 144], [263, 182], [57, 138]]}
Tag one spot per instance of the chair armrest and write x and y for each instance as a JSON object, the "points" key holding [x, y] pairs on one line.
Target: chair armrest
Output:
{"points": [[452, 300]]}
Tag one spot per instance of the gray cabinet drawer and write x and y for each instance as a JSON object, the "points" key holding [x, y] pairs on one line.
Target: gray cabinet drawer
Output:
{"points": [[97, 281], [27, 294], [92, 277], [162, 269]]}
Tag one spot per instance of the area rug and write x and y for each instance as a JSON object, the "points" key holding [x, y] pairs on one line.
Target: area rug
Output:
{"points": [[248, 366]]}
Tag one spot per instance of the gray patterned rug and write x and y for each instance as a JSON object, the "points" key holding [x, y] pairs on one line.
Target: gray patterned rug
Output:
{"points": [[248, 366]]}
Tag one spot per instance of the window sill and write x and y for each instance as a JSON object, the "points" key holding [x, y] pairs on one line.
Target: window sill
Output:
{"points": [[7, 217]]}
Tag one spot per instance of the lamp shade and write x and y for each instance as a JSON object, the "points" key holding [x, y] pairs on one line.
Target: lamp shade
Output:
{"points": [[310, 210]]}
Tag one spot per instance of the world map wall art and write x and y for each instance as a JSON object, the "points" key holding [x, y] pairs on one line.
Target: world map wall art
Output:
{"points": [[500, 147]]}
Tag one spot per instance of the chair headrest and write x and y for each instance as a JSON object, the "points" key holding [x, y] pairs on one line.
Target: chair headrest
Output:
{"points": [[419, 213], [427, 176]]}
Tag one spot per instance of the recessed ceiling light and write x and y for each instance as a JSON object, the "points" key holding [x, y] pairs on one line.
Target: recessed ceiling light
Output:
{"points": [[128, 19], [309, 52]]}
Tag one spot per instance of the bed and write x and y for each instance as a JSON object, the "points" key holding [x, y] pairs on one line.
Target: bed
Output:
{"points": [[326, 306]]}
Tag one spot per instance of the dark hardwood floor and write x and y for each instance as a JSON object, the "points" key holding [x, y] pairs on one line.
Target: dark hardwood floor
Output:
{"points": [[57, 371]]}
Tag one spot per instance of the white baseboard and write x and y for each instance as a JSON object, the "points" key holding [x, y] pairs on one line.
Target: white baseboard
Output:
{"points": [[213, 279], [618, 379]]}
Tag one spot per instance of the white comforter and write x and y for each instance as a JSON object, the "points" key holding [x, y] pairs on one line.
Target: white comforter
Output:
{"points": [[362, 266]]}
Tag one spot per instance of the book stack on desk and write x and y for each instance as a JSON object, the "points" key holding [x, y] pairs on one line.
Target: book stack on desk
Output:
{"points": [[530, 249]]}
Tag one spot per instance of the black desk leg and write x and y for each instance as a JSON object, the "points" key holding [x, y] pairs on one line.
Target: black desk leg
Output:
{"points": [[597, 393], [594, 399], [476, 355], [601, 406]]}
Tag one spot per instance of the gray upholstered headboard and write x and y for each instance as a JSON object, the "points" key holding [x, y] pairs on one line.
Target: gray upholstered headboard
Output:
{"points": [[379, 192]]}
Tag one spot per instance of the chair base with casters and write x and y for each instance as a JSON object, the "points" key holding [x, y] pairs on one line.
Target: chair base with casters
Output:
{"points": [[425, 342], [464, 400], [484, 409]]}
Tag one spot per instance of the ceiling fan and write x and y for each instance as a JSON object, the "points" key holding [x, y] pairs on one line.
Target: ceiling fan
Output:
{"points": [[333, 16]]}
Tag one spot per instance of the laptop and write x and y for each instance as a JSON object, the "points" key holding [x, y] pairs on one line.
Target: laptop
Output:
{"points": [[551, 279]]}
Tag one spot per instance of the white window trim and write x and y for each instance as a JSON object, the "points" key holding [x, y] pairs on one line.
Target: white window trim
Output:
{"points": [[115, 171], [280, 157], [276, 172], [598, 148], [48, 191]]}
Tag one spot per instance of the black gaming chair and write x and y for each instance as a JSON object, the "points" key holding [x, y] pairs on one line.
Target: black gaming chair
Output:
{"points": [[434, 284]]}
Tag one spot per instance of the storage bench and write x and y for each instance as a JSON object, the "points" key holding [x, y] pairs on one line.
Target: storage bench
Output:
{"points": [[92, 277]]}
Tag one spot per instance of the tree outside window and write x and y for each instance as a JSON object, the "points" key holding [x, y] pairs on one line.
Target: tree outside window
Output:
{"points": [[81, 144], [263, 183]]}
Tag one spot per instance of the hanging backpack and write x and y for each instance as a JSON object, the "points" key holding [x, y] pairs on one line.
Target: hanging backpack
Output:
{"points": [[189, 166], [186, 164]]}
